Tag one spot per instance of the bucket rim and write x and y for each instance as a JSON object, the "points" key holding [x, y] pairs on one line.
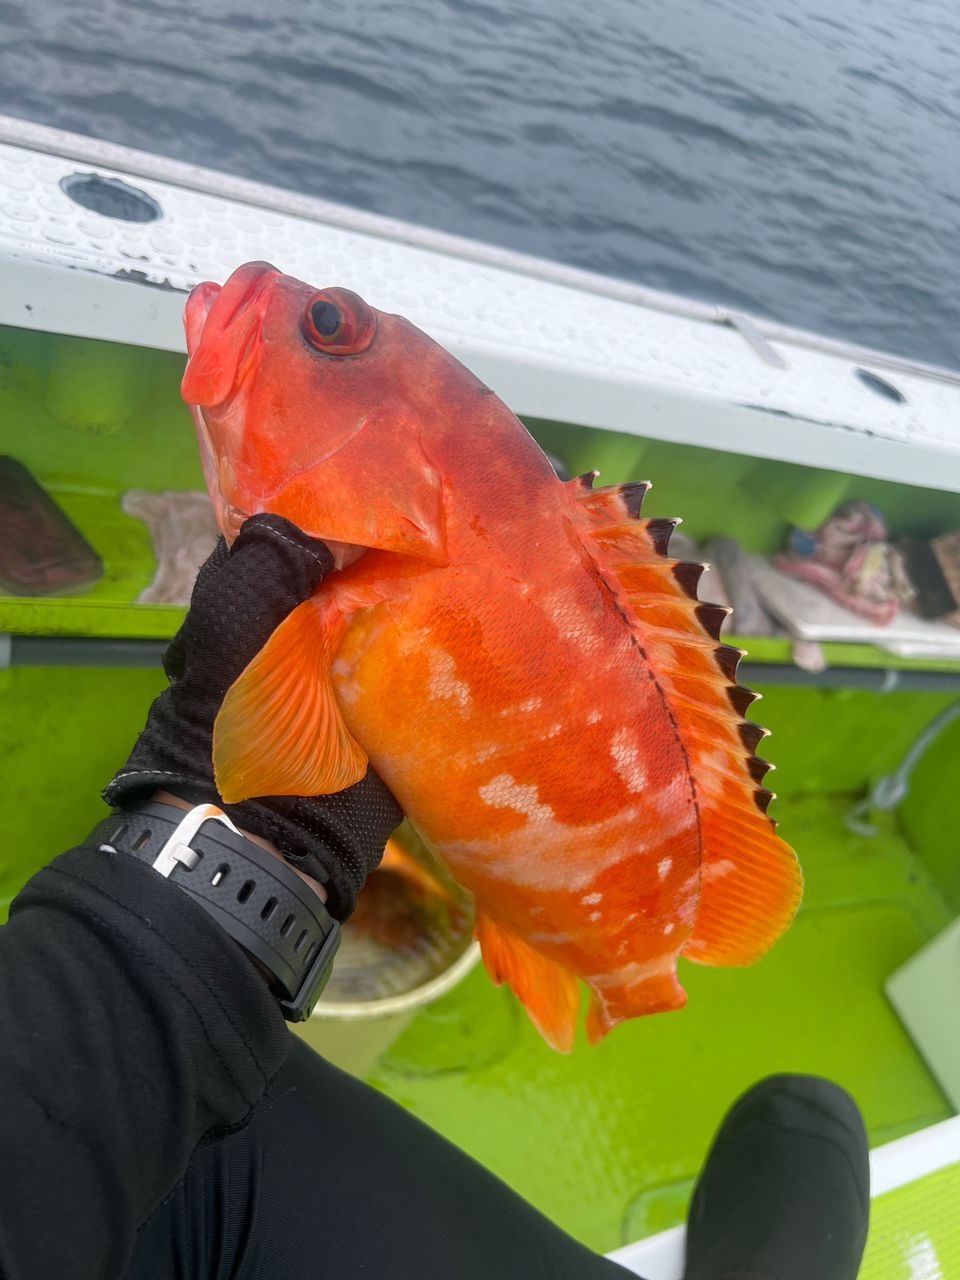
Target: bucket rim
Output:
{"points": [[407, 1001]]}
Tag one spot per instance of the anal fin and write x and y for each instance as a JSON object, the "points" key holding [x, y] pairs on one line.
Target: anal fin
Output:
{"points": [[280, 731], [549, 993]]}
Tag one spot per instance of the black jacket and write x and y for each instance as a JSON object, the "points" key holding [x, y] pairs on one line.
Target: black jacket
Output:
{"points": [[132, 1029]]}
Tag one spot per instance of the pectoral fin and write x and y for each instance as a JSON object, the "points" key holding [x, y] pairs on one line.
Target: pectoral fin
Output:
{"points": [[280, 731]]}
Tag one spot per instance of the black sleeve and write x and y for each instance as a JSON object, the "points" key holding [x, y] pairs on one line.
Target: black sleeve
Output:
{"points": [[131, 1029]]}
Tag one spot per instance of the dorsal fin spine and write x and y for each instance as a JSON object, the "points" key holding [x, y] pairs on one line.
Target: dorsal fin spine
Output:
{"points": [[751, 880]]}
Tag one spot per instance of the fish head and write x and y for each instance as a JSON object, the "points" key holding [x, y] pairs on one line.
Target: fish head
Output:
{"points": [[312, 405]]}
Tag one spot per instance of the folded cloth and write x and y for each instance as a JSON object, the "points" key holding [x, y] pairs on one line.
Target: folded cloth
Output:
{"points": [[850, 560]]}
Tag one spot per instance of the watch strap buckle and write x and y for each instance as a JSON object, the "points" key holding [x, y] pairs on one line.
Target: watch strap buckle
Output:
{"points": [[178, 849]]}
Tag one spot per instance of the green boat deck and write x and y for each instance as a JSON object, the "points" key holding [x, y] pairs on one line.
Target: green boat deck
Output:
{"points": [[915, 1231], [605, 1141], [608, 1140]]}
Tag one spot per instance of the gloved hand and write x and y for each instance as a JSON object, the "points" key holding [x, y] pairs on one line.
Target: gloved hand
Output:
{"points": [[240, 597]]}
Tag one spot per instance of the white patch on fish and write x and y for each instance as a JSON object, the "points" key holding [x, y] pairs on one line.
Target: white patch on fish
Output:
{"points": [[674, 804], [674, 795], [345, 680], [504, 792], [594, 915], [627, 760], [663, 867], [573, 622], [443, 682], [717, 870], [669, 928], [521, 708], [590, 899], [688, 908], [561, 857], [629, 975], [594, 717]]}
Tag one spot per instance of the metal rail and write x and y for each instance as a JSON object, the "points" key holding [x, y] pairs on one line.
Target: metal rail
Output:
{"points": [[96, 651], [93, 151]]}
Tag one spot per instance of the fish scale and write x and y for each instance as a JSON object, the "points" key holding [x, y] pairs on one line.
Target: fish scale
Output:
{"points": [[520, 659]]}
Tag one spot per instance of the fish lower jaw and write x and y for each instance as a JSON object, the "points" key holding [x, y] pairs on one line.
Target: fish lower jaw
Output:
{"points": [[232, 519]]}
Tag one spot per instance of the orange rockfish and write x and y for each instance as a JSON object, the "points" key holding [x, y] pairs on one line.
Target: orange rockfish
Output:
{"points": [[517, 657]]}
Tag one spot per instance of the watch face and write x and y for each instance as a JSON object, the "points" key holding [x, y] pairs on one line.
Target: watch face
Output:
{"points": [[412, 923]]}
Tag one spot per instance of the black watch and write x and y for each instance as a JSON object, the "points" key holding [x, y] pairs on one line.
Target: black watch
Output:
{"points": [[258, 900]]}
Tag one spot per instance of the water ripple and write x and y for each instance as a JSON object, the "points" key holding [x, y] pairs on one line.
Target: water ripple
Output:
{"points": [[799, 160]]}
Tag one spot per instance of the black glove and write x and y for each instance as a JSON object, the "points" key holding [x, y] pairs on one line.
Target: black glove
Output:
{"points": [[239, 599]]}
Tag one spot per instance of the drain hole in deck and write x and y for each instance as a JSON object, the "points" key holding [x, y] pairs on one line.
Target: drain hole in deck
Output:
{"points": [[880, 385], [110, 197]]}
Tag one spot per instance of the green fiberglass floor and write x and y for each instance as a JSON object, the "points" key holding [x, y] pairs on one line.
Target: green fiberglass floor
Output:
{"points": [[915, 1231], [607, 1141]]}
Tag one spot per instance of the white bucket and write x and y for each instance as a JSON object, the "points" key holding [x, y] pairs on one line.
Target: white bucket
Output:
{"points": [[395, 982]]}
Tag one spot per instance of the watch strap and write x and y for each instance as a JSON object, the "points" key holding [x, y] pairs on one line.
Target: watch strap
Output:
{"points": [[258, 900]]}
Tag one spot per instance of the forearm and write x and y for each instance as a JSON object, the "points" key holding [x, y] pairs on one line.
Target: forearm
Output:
{"points": [[132, 1027]]}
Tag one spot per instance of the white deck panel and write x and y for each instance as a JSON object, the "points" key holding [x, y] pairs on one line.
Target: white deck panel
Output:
{"points": [[892, 1166], [550, 348]]}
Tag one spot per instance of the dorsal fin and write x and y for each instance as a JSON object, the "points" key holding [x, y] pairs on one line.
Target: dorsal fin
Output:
{"points": [[750, 878]]}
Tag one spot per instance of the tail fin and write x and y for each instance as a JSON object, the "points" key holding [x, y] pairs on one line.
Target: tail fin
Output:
{"points": [[658, 993]]}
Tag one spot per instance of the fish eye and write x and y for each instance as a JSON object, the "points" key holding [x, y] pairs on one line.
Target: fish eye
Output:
{"points": [[338, 322], [326, 318]]}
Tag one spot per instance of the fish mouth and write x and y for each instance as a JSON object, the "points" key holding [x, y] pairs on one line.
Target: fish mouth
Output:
{"points": [[222, 326], [229, 516], [198, 307]]}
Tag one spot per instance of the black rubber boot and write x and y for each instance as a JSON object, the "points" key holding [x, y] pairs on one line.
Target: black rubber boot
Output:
{"points": [[785, 1191]]}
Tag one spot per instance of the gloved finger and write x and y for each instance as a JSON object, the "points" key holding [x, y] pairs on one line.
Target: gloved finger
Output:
{"points": [[175, 654], [237, 604]]}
